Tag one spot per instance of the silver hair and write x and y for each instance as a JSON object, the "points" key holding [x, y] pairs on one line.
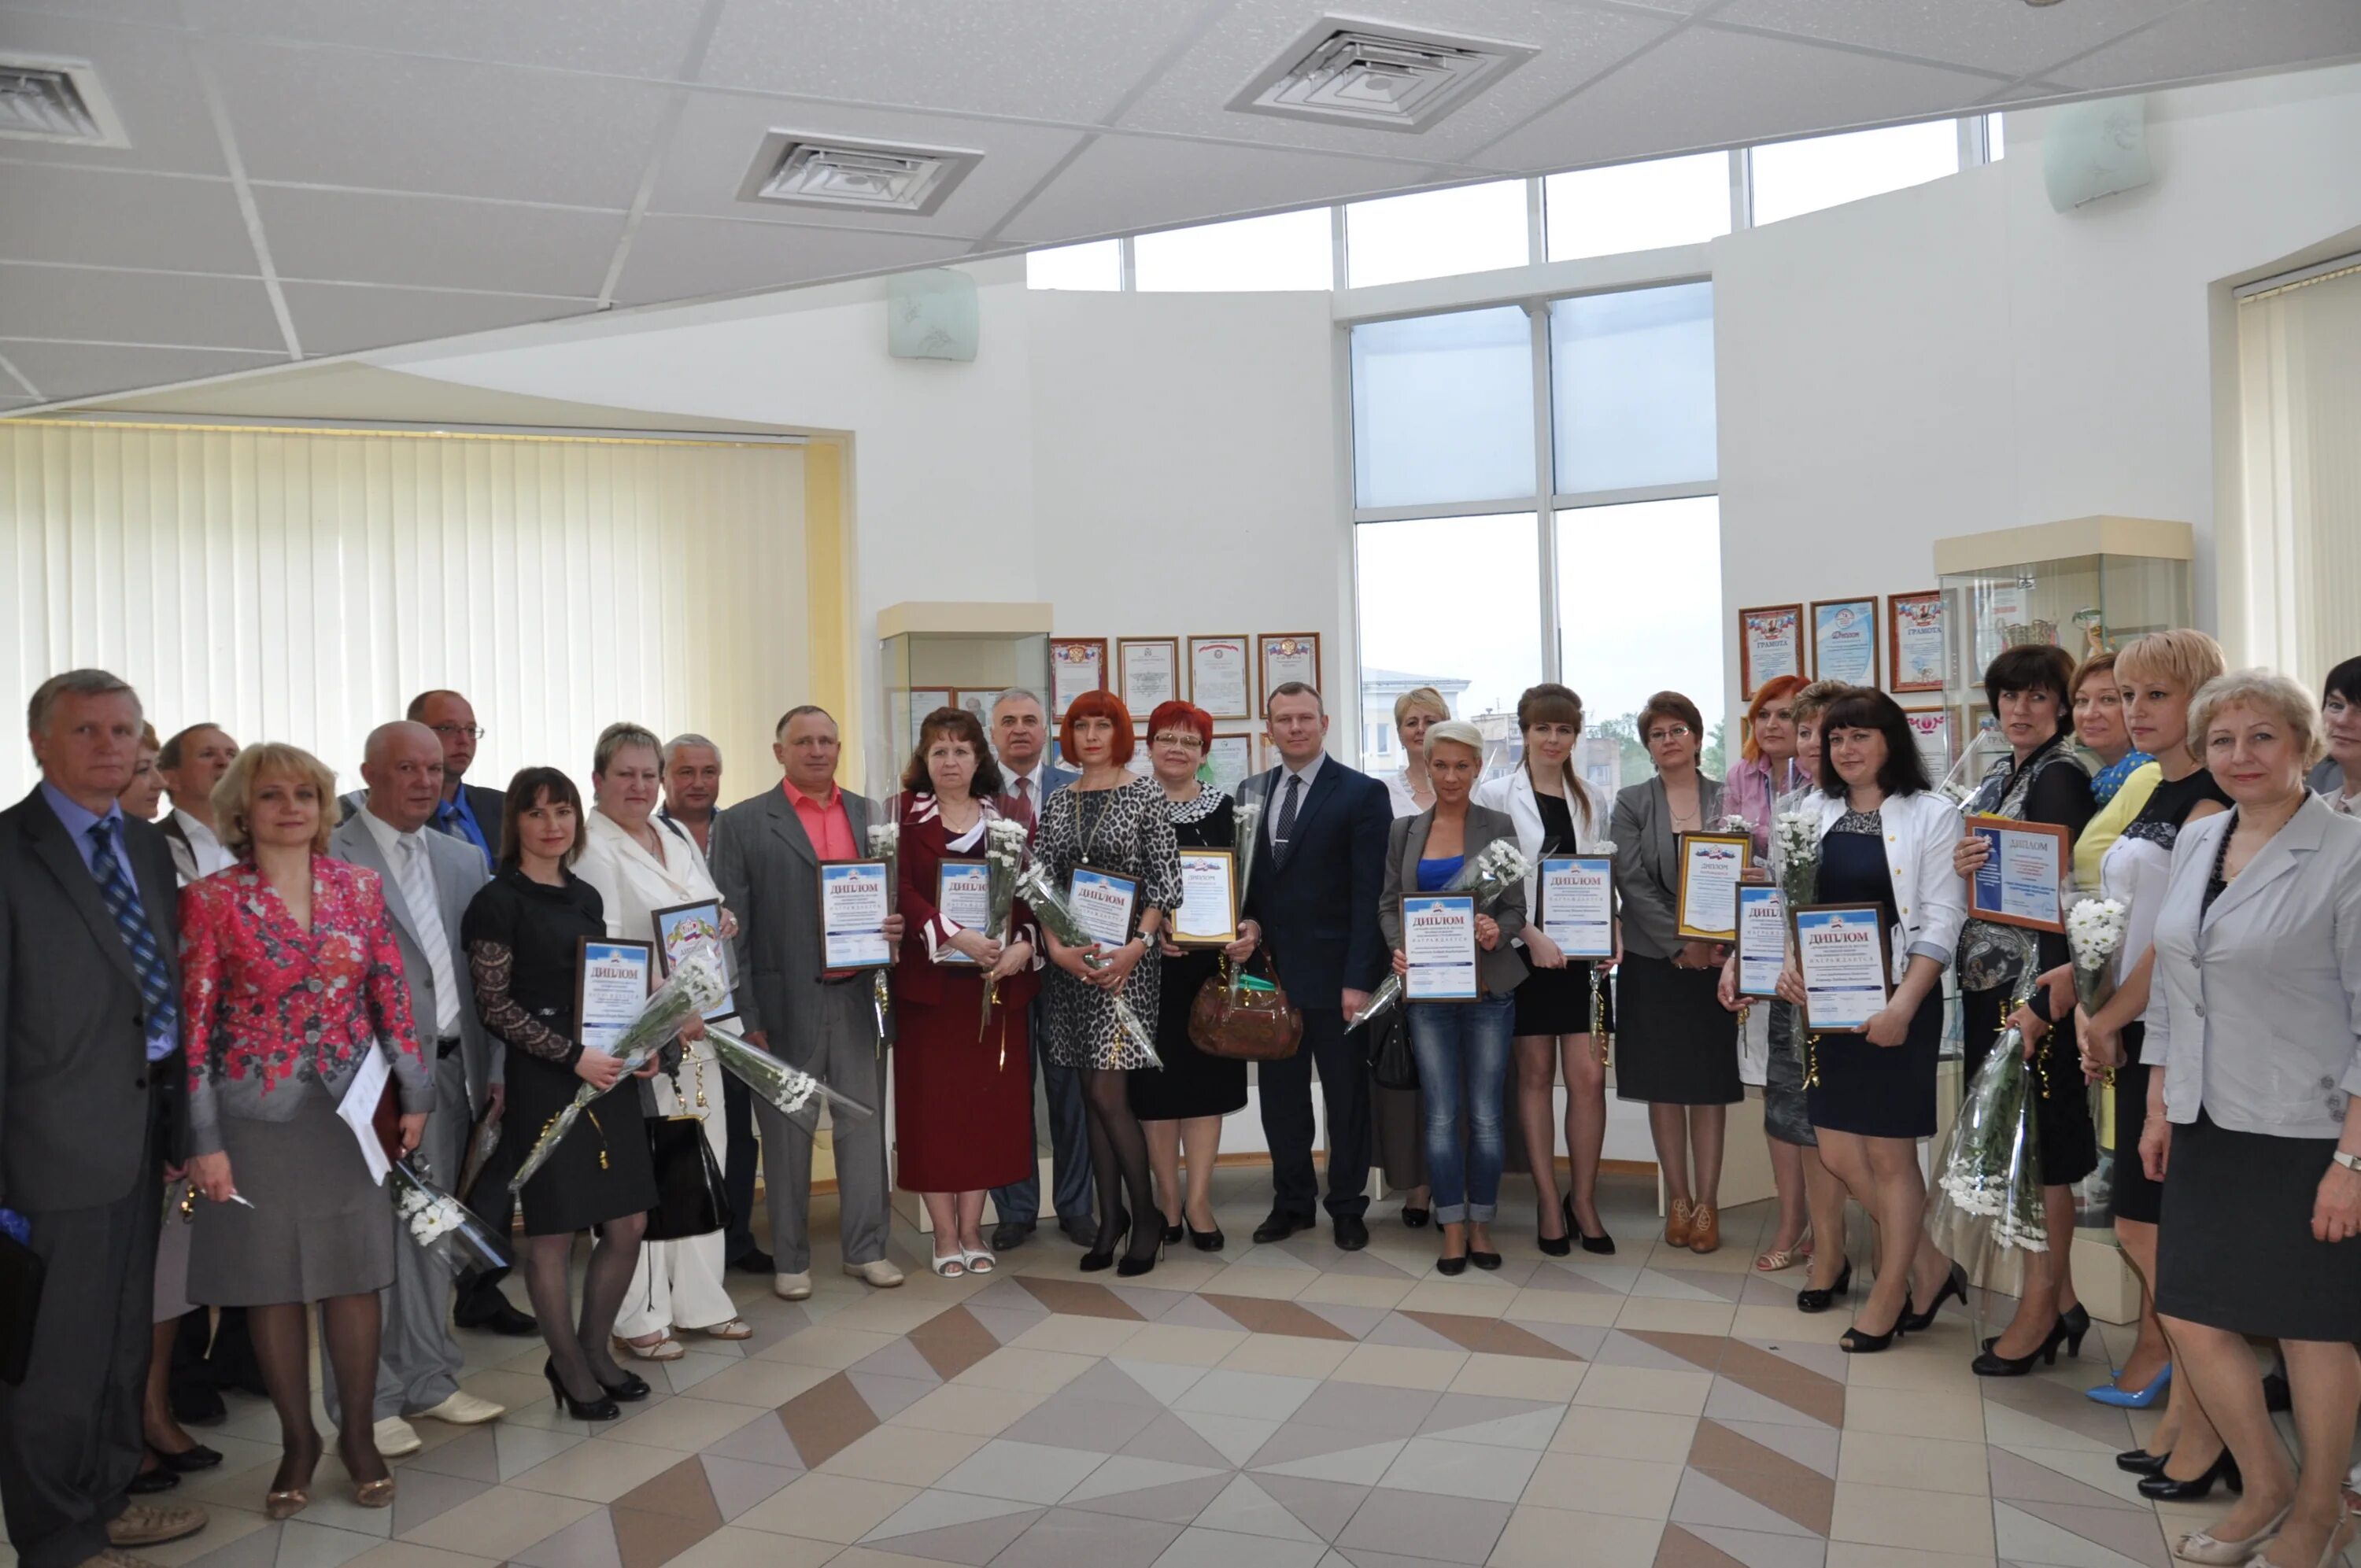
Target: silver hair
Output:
{"points": [[615, 736], [2266, 691], [1019, 694], [690, 737], [80, 682]]}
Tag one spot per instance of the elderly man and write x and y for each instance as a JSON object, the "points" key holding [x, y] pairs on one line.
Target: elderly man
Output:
{"points": [[692, 782], [429, 878], [94, 1092], [766, 863], [191, 762]]}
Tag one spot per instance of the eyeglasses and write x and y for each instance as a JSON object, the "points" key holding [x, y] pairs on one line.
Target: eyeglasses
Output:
{"points": [[1177, 738], [1672, 732], [472, 731]]}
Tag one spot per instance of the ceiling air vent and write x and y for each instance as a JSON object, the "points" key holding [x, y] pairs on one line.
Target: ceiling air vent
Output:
{"points": [[56, 100], [1376, 75], [873, 177]]}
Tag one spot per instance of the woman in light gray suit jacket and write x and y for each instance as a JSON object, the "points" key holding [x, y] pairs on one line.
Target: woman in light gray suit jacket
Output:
{"points": [[1462, 1047], [1678, 1049]]}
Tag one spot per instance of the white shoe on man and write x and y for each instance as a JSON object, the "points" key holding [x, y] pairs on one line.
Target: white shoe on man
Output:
{"points": [[877, 1272], [463, 1410], [396, 1437], [792, 1286]]}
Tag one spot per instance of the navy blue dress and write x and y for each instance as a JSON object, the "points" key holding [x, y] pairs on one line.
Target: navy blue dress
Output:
{"points": [[1873, 1092]]}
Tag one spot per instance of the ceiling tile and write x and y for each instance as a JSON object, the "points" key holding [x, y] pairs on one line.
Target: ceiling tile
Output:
{"points": [[88, 369], [643, 38], [327, 117], [1131, 182], [2214, 37], [2004, 36], [137, 307], [1194, 97], [1067, 60], [104, 218], [436, 241], [344, 318], [1706, 89], [149, 79], [691, 258]]}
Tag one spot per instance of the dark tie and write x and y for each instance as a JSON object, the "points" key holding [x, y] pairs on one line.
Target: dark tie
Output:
{"points": [[1022, 804], [1278, 835], [122, 899]]}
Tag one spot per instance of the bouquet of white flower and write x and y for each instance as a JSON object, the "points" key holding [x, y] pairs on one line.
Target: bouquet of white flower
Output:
{"points": [[2094, 934], [1245, 838], [1796, 850], [885, 844], [1599, 968], [1057, 916], [439, 1223], [789, 1091], [1487, 874], [1004, 856], [1985, 1206]]}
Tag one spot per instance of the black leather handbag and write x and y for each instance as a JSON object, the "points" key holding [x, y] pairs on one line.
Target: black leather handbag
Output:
{"points": [[1392, 1063], [690, 1198]]}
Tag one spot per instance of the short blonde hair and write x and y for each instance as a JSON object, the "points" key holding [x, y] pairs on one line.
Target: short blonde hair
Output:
{"points": [[234, 796], [1814, 699], [2266, 691], [1455, 732], [1420, 697], [2187, 658]]}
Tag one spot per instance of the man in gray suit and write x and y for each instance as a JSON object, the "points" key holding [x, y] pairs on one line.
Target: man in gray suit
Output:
{"points": [[429, 880], [766, 863], [93, 1092]]}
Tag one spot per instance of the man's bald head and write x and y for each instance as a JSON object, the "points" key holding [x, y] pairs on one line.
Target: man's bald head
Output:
{"points": [[402, 764]]}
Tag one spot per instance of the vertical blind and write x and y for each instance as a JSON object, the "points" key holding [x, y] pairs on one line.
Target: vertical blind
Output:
{"points": [[2299, 417], [302, 585]]}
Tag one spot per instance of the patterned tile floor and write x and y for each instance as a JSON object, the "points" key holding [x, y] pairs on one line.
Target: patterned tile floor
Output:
{"points": [[1280, 1407]]}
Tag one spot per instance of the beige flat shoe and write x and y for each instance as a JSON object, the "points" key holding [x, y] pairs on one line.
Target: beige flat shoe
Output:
{"points": [[654, 1347], [736, 1328]]}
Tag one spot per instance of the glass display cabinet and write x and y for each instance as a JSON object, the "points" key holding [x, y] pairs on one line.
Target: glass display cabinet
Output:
{"points": [[936, 655]]}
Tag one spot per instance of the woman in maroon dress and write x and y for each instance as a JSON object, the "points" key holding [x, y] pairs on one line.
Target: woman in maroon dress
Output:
{"points": [[963, 1073]]}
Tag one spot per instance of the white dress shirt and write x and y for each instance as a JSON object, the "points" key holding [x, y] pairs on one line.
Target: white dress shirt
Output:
{"points": [[205, 844]]}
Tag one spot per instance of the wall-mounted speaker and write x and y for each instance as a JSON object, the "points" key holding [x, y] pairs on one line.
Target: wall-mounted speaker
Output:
{"points": [[931, 315], [2090, 150]]}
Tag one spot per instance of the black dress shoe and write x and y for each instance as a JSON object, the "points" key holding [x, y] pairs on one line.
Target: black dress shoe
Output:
{"points": [[1172, 1235], [198, 1457], [149, 1481], [1279, 1226], [2165, 1489], [1352, 1233], [502, 1319], [1415, 1219], [630, 1390], [1488, 1261], [1451, 1268], [2140, 1461], [1205, 1241], [1083, 1232], [2276, 1396], [754, 1260], [1810, 1300], [1008, 1235]]}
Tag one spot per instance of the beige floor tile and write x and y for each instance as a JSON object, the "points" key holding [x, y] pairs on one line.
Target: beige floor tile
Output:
{"points": [[1590, 1482], [406, 1554], [1654, 1312], [825, 1345], [1645, 1388], [1916, 1412], [1194, 1271], [1470, 1296], [1177, 1346], [598, 1472], [1590, 1308], [504, 1521], [870, 1557], [765, 1384], [1519, 1378], [1932, 1464], [731, 1547], [820, 1506], [1625, 1434], [1401, 1366], [1270, 1284], [1553, 1538], [1911, 1517], [223, 1525], [1078, 1336], [684, 1425], [890, 1312], [1026, 1371], [908, 1456], [962, 1408], [1355, 1290], [1851, 1554], [1787, 1323], [502, 1386], [1921, 1367], [1286, 1355]]}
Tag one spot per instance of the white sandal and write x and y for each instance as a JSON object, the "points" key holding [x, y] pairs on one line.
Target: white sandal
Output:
{"points": [[664, 1348], [951, 1266], [2203, 1546], [979, 1261], [736, 1328]]}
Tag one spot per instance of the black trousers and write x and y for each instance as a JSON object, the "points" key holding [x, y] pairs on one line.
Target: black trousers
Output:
{"points": [[737, 1171], [1287, 1122], [70, 1435]]}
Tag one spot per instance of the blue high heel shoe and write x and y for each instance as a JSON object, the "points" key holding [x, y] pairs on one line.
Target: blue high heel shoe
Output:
{"points": [[2133, 1398]]}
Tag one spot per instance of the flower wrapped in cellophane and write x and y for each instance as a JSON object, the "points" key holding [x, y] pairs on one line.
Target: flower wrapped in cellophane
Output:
{"points": [[885, 844], [1056, 913], [2094, 935], [439, 1223], [1245, 838], [1795, 851], [790, 1090], [1004, 856], [1602, 1032], [1489, 873], [1985, 1206], [697, 983]]}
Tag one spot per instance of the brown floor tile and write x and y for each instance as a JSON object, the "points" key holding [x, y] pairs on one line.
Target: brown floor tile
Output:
{"points": [[1493, 1336], [825, 1420], [952, 1342], [1679, 1549], [1264, 1316], [682, 1491], [1079, 1298], [1705, 1351], [1814, 1396], [649, 1540], [1794, 1492]]}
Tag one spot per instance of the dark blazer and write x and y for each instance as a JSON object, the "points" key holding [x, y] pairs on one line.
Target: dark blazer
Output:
{"points": [[1319, 912], [1647, 859], [74, 1052], [459, 875], [768, 873], [1503, 969], [487, 803]]}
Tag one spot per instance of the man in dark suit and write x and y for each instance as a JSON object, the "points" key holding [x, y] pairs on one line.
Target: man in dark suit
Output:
{"points": [[92, 1093], [1319, 866]]}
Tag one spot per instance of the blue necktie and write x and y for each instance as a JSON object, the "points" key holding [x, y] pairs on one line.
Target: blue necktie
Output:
{"points": [[122, 899]]}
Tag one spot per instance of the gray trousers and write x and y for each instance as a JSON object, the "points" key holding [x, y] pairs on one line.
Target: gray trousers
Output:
{"points": [[841, 1032], [418, 1361]]}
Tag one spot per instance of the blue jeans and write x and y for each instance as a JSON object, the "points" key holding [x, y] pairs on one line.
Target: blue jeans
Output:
{"points": [[1462, 1066]]}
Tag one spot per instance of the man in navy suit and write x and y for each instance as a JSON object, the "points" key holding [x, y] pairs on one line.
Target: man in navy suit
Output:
{"points": [[1318, 868]]}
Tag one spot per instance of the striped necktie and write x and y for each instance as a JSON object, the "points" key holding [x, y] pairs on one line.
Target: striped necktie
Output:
{"points": [[418, 891], [122, 900]]}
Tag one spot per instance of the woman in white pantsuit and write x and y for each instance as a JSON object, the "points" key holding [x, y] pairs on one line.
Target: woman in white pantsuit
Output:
{"points": [[640, 865]]}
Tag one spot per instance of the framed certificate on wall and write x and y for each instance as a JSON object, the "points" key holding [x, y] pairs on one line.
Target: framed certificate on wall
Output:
{"points": [[1221, 676], [1844, 640], [1230, 760], [1147, 673], [1914, 653], [1770, 644], [1289, 656], [1931, 729], [1077, 664], [979, 703]]}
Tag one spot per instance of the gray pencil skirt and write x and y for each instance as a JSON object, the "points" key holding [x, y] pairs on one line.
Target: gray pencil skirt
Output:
{"points": [[319, 1226]]}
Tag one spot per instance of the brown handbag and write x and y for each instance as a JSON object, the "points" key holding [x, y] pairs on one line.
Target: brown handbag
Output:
{"points": [[1248, 1024]]}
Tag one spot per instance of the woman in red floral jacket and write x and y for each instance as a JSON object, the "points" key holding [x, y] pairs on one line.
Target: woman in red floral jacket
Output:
{"points": [[290, 983]]}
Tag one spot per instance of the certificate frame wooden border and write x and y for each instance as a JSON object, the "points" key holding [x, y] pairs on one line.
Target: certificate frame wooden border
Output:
{"points": [[1469, 900], [1876, 653], [1232, 934], [1263, 639], [1681, 841], [1893, 603], [1131, 921], [2065, 847], [960, 695], [1885, 953], [1058, 714], [1189, 654], [819, 908], [1951, 734], [1747, 685], [1541, 915], [1759, 890], [582, 946], [1123, 646], [728, 1007], [950, 956]]}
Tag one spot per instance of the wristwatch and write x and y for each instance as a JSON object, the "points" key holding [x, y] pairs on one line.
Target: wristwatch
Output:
{"points": [[2349, 1161]]}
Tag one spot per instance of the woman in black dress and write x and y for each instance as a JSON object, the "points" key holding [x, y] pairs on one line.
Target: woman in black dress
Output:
{"points": [[521, 933], [1181, 1105]]}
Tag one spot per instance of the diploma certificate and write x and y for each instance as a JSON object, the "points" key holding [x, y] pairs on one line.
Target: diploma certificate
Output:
{"points": [[1208, 915], [610, 985], [963, 898], [1230, 761], [1844, 640], [1102, 903], [1762, 941], [2020, 881], [1439, 939], [1221, 676], [1148, 670], [1840, 947], [1578, 905], [1915, 647], [1711, 865], [679, 927], [1077, 664], [854, 904]]}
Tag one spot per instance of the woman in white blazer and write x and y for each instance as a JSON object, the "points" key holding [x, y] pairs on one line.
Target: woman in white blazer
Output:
{"points": [[1556, 813], [640, 865]]}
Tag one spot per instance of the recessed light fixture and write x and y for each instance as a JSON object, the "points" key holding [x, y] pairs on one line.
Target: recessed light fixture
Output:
{"points": [[1377, 74], [43, 99], [803, 169]]}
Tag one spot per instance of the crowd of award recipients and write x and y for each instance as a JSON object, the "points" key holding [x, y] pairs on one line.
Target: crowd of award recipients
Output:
{"points": [[173, 1062]]}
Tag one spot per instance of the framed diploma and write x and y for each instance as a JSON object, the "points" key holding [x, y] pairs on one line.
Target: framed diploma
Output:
{"points": [[1931, 729], [1439, 939], [2020, 881], [1711, 867], [1844, 640], [1840, 947], [1103, 901], [1914, 653], [1288, 656], [1577, 895], [1770, 644], [1230, 760], [855, 896], [1147, 673], [1077, 664], [1761, 940], [923, 703], [613, 977], [1208, 915], [1221, 676], [963, 898], [680, 927]]}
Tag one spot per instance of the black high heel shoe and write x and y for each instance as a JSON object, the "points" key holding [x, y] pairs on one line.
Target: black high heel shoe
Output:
{"points": [[580, 1409], [1810, 1300], [2140, 1461], [1562, 1244], [1855, 1342], [1600, 1245], [2165, 1489], [1415, 1219], [1451, 1268], [1172, 1235], [2076, 1319], [1204, 1241], [630, 1390], [1130, 1267], [1992, 1364], [1954, 1284], [1102, 1256]]}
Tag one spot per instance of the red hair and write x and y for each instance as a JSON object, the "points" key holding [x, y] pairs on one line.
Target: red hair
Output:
{"points": [[1098, 705], [1766, 694], [1177, 715]]}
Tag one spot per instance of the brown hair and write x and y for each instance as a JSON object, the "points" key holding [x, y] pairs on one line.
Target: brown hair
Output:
{"points": [[955, 724], [525, 790], [1814, 699], [1550, 703], [1671, 705]]}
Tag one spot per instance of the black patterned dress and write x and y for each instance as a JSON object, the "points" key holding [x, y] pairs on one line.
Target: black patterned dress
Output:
{"points": [[1190, 1083], [1125, 830]]}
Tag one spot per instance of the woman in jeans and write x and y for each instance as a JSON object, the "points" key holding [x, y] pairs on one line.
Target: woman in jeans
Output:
{"points": [[1462, 1047]]}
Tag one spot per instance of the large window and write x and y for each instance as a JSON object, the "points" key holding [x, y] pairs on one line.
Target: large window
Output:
{"points": [[1447, 602], [1443, 409], [1436, 234], [1639, 593], [1632, 388], [1796, 177], [1288, 250], [1097, 265], [1637, 206]]}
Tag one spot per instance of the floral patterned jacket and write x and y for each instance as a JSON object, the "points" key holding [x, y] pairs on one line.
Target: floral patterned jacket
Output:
{"points": [[270, 1008]]}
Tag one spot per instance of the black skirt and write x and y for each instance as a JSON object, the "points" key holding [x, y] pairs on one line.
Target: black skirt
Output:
{"points": [[2136, 1198], [2239, 1254], [1558, 1001], [1870, 1091], [1189, 1083], [600, 1171], [2063, 1132], [1675, 1043]]}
